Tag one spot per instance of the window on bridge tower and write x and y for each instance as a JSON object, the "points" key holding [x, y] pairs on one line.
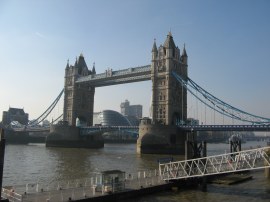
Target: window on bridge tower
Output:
{"points": [[160, 112], [164, 112]]}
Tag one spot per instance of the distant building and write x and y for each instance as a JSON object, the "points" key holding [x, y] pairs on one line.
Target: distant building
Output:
{"points": [[14, 114], [131, 110], [110, 118], [114, 118], [192, 121]]}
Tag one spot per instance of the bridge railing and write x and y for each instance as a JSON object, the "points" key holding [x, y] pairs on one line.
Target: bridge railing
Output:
{"points": [[231, 162], [114, 74], [225, 127], [93, 129]]}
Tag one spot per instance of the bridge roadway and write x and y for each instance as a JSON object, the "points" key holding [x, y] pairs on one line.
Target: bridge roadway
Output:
{"points": [[32, 129], [110, 77], [188, 128], [225, 127]]}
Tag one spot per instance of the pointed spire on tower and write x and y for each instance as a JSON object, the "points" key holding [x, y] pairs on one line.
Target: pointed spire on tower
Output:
{"points": [[94, 69], [170, 32], [154, 49], [67, 64], [169, 43], [184, 51], [184, 56], [76, 62]]}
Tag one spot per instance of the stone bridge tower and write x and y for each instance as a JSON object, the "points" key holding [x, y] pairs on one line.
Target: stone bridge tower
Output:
{"points": [[79, 98], [169, 100]]}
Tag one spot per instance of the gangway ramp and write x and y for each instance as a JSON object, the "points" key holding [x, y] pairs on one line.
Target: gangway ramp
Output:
{"points": [[220, 164]]}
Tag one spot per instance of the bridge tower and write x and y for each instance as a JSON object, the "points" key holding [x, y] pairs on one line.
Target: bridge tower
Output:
{"points": [[169, 101], [79, 98]]}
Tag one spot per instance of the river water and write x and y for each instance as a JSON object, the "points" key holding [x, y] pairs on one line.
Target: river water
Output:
{"points": [[36, 163]]}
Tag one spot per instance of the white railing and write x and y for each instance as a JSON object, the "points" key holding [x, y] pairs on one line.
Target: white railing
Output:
{"points": [[225, 163], [80, 188], [11, 195]]}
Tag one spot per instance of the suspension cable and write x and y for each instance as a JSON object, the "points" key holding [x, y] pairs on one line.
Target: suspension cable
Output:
{"points": [[45, 114], [220, 106]]}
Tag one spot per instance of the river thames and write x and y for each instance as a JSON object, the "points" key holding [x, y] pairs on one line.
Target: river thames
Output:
{"points": [[36, 163]]}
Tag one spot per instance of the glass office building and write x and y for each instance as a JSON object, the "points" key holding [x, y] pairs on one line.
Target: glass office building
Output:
{"points": [[110, 118]]}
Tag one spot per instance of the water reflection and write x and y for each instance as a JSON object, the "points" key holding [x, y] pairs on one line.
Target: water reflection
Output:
{"points": [[70, 163]]}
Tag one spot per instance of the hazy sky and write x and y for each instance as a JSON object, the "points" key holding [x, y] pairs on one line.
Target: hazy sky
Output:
{"points": [[228, 44]]}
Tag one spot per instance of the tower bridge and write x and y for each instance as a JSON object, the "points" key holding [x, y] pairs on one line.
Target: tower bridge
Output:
{"points": [[165, 132], [169, 102]]}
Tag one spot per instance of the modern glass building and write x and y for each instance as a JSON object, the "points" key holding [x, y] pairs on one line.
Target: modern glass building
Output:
{"points": [[110, 118], [113, 118]]}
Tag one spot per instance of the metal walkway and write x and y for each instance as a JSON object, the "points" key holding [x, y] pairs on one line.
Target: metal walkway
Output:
{"points": [[226, 163]]}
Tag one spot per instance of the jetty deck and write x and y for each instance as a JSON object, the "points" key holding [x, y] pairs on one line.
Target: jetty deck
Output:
{"points": [[89, 190]]}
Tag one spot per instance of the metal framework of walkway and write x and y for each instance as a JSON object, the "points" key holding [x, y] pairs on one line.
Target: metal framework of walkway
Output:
{"points": [[110, 77], [220, 164]]}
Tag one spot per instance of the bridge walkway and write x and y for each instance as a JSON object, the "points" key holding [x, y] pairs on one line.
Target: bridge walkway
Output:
{"points": [[220, 164]]}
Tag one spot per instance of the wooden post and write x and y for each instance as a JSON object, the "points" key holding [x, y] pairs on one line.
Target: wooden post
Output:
{"points": [[2, 154]]}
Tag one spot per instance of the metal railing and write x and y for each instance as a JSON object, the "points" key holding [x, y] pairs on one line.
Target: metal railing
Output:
{"points": [[80, 188], [219, 164]]}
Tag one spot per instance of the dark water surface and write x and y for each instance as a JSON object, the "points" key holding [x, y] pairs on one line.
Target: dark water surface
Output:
{"points": [[36, 163]]}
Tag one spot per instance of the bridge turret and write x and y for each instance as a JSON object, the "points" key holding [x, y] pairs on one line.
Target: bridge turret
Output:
{"points": [[94, 69], [67, 64], [154, 51], [169, 46], [184, 56], [168, 101], [79, 98], [81, 66]]}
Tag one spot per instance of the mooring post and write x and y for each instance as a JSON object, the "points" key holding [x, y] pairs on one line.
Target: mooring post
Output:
{"points": [[2, 154], [204, 178], [235, 143]]}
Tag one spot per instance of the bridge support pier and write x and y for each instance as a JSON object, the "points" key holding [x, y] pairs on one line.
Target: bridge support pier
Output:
{"points": [[194, 149], [160, 139], [64, 135], [235, 146]]}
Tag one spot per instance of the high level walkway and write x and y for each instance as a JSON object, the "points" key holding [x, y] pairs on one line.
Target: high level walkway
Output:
{"points": [[110, 77], [220, 164]]}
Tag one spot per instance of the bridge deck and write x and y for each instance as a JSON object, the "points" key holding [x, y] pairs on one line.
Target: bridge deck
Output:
{"points": [[225, 127]]}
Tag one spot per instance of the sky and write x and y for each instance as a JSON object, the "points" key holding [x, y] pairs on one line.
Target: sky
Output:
{"points": [[227, 42]]}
